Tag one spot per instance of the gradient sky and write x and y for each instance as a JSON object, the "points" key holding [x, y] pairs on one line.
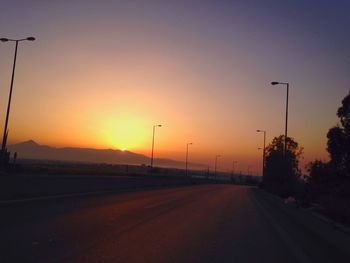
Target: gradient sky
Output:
{"points": [[101, 73]]}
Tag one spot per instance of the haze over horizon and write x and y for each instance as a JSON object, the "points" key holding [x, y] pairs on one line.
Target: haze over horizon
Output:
{"points": [[31, 151], [101, 73]]}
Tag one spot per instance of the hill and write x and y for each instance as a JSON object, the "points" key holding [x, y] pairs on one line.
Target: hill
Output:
{"points": [[32, 150]]}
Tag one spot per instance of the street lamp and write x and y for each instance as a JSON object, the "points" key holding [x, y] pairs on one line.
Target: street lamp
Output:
{"points": [[4, 138], [190, 143], [263, 160], [233, 167], [154, 128], [216, 164], [286, 127]]}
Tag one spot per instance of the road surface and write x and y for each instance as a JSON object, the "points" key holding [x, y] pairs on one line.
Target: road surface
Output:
{"points": [[207, 223]]}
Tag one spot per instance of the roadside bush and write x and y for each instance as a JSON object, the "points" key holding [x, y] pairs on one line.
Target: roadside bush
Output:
{"points": [[328, 184], [282, 175]]}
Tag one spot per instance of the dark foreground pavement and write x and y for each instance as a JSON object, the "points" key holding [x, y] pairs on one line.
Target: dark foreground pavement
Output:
{"points": [[208, 223]]}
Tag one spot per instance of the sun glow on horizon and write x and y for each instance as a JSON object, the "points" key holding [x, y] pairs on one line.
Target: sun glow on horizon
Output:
{"points": [[125, 133]]}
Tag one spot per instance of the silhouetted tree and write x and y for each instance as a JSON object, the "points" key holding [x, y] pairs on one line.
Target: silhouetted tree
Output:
{"points": [[338, 144], [344, 113], [319, 172], [282, 171], [319, 179], [338, 147], [329, 183]]}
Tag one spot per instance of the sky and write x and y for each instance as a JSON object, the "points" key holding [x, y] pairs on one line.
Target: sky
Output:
{"points": [[102, 73]]}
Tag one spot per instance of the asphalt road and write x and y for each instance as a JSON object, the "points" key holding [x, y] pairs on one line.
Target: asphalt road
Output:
{"points": [[207, 223]]}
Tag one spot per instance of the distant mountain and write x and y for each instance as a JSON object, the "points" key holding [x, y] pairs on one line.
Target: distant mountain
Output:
{"points": [[32, 150]]}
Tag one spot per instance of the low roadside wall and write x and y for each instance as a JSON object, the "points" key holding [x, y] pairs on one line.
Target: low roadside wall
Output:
{"points": [[26, 186]]}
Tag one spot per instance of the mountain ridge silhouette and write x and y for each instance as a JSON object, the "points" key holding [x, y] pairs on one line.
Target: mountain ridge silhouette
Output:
{"points": [[30, 149]]}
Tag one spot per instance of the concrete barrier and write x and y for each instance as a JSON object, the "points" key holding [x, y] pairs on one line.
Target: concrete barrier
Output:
{"points": [[28, 186]]}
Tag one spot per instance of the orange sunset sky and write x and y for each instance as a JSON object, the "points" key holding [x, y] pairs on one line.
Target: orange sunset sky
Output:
{"points": [[102, 73]]}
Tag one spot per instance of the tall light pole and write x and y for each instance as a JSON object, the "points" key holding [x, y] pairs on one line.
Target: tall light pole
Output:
{"points": [[4, 137], [249, 166], [154, 129], [190, 143], [263, 155], [286, 127], [233, 167], [216, 164]]}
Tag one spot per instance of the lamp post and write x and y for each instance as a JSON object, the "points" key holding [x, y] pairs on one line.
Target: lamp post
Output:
{"points": [[233, 168], [4, 138], [190, 143], [263, 155], [216, 164], [249, 166], [286, 125], [154, 129]]}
